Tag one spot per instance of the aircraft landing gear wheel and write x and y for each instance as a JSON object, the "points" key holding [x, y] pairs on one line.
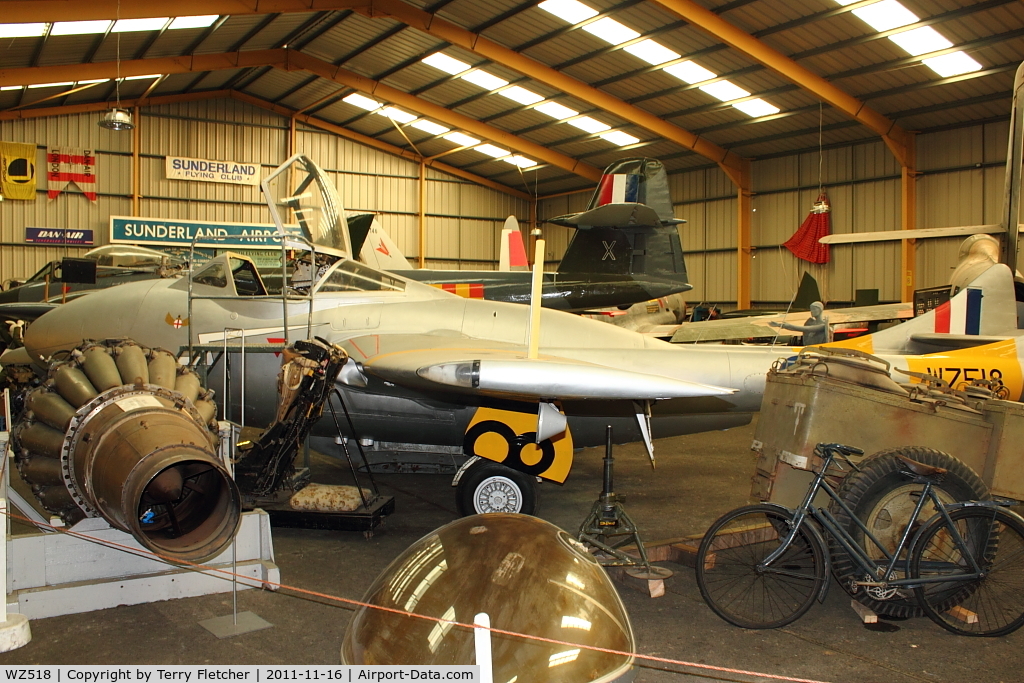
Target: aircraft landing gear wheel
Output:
{"points": [[489, 487], [884, 500]]}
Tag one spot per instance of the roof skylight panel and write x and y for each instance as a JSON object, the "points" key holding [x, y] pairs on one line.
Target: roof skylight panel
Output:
{"points": [[651, 52], [520, 161], [617, 137], [919, 41], [756, 107], [201, 21], [21, 30], [78, 28], [396, 114], [953, 64], [568, 10], [491, 150], [428, 126], [611, 31], [556, 110], [50, 85], [885, 15], [11, 87], [520, 95], [440, 60], [588, 124], [362, 102], [141, 78], [725, 91], [690, 72], [461, 139], [484, 80], [126, 25]]}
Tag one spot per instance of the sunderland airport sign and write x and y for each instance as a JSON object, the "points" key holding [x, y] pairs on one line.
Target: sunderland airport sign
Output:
{"points": [[211, 171], [172, 232]]}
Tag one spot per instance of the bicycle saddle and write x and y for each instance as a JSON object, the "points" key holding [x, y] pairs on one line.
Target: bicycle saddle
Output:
{"points": [[920, 469]]}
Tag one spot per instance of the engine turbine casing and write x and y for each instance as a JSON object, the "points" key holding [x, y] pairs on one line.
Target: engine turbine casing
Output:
{"points": [[122, 432]]}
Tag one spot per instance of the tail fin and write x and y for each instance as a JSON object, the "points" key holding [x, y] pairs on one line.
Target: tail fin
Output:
{"points": [[512, 252], [807, 293], [629, 227], [641, 181], [626, 251], [985, 308], [380, 252]]}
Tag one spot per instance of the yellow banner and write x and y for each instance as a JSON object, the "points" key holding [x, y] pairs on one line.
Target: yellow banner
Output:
{"points": [[18, 170]]}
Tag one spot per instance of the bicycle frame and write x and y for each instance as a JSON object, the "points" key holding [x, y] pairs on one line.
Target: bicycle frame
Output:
{"points": [[869, 566]]}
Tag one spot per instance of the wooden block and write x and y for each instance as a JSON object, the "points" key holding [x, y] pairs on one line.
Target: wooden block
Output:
{"points": [[864, 612], [963, 614], [686, 553], [654, 588]]}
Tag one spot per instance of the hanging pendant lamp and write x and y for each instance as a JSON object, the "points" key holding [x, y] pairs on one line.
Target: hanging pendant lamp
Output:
{"points": [[116, 119]]}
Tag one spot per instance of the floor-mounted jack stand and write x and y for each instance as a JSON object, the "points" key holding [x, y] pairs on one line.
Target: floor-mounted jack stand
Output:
{"points": [[609, 527]]}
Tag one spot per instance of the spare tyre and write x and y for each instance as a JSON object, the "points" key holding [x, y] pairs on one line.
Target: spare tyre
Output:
{"points": [[884, 499]]}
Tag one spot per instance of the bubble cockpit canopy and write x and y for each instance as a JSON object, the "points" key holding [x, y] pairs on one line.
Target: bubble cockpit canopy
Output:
{"points": [[303, 201], [527, 575]]}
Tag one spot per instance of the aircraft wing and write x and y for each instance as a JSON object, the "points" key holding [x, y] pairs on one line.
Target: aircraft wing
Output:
{"points": [[485, 368], [757, 326]]}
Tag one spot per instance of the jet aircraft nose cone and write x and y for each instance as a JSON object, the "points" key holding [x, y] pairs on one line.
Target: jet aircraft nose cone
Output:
{"points": [[101, 314], [54, 330]]}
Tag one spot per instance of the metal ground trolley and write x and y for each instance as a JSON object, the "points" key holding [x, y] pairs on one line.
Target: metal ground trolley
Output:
{"points": [[846, 396], [828, 395]]}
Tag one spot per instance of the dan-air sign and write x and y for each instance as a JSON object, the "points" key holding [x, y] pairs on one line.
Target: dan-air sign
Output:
{"points": [[210, 171], [172, 232]]}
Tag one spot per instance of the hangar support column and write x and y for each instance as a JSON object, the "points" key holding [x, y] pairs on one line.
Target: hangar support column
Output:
{"points": [[743, 242], [908, 217]]}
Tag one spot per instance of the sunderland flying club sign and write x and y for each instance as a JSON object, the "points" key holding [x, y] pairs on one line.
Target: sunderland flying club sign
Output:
{"points": [[210, 171], [171, 232]]}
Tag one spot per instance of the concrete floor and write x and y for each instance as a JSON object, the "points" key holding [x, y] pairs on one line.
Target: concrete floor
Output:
{"points": [[698, 478]]}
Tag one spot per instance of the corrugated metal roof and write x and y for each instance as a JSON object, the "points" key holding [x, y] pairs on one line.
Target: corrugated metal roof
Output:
{"points": [[381, 47]]}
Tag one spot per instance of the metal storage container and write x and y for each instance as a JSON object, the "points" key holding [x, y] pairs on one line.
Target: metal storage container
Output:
{"points": [[838, 395]]}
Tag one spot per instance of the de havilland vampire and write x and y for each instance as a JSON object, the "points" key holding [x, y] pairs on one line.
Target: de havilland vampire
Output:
{"points": [[433, 369], [436, 373]]}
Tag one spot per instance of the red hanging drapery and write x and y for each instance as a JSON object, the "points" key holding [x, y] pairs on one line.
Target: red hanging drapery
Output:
{"points": [[804, 243]]}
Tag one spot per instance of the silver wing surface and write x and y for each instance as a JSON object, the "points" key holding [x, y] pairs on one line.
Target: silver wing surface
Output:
{"points": [[427, 362]]}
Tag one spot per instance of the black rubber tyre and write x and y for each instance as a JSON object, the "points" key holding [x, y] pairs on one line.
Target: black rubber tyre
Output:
{"points": [[883, 499], [733, 586], [488, 486], [989, 606]]}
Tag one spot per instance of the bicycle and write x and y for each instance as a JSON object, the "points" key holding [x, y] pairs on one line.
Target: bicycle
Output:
{"points": [[763, 566]]}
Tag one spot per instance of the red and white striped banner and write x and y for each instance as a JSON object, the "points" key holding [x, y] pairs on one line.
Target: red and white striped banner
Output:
{"points": [[68, 164]]}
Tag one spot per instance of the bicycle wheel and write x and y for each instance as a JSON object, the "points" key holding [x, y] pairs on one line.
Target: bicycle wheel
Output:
{"points": [[745, 596], [992, 605], [884, 500]]}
